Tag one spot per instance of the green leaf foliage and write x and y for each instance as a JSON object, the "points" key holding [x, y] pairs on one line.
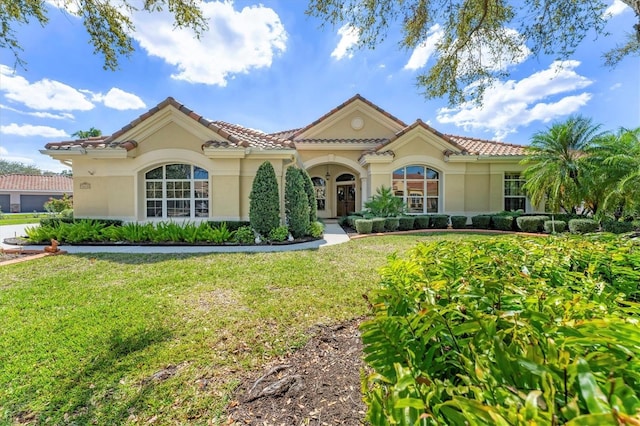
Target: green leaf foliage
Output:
{"points": [[507, 331], [264, 206], [384, 203], [582, 226], [364, 226], [311, 196], [296, 203], [531, 223], [458, 222]]}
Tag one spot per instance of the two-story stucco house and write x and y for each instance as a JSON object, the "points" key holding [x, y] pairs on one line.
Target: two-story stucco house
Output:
{"points": [[172, 163]]}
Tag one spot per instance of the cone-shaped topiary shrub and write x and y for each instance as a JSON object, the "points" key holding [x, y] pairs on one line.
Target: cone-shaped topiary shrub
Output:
{"points": [[296, 203], [264, 206], [311, 196]]}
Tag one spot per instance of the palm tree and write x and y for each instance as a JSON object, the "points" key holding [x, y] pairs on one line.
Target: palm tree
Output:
{"points": [[616, 159], [556, 163], [85, 134]]}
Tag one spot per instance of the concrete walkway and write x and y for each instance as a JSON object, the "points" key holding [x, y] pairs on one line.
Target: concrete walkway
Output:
{"points": [[333, 234]]}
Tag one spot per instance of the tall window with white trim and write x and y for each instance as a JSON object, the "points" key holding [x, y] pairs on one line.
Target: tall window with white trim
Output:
{"points": [[177, 190], [514, 197], [320, 188], [419, 188]]}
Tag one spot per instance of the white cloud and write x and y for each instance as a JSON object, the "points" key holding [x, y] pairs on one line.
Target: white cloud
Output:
{"points": [[53, 116], [349, 37], [423, 52], [31, 130], [616, 86], [7, 156], [119, 99], [42, 95], [509, 105], [497, 55], [236, 42], [616, 8]]}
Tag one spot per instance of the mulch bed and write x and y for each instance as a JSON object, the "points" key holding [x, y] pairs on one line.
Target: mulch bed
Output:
{"points": [[318, 384]]}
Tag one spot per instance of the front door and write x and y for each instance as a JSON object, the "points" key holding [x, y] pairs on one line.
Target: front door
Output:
{"points": [[346, 197]]}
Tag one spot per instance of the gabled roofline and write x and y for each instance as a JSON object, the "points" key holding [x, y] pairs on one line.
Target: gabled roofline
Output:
{"points": [[356, 97], [422, 124]]}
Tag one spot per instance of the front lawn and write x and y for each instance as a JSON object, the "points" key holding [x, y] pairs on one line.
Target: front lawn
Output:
{"points": [[82, 336], [22, 218]]}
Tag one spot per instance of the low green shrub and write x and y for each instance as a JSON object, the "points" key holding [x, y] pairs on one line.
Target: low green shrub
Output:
{"points": [[377, 224], [244, 235], [222, 234], [351, 220], [481, 221], [421, 222], [439, 221], [531, 223], [617, 226], [458, 222], [232, 225], [316, 229], [67, 213], [557, 226], [391, 224], [502, 222], [505, 331], [364, 226], [279, 233], [405, 223], [343, 221], [582, 226]]}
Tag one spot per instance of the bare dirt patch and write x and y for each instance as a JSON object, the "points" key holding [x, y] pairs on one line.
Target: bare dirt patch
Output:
{"points": [[318, 384]]}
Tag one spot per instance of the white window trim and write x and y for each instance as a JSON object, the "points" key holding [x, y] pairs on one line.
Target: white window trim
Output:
{"points": [[192, 196], [425, 198]]}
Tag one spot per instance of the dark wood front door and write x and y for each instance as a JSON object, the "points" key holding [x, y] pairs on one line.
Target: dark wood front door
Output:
{"points": [[346, 197]]}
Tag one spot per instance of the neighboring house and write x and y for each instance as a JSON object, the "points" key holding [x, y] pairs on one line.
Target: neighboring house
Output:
{"points": [[28, 193], [173, 163]]}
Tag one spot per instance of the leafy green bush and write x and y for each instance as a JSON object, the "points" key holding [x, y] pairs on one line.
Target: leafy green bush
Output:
{"points": [[67, 213], [506, 331], [39, 234], [481, 221], [58, 205], [385, 204], [264, 205], [296, 203], [316, 229], [531, 223], [582, 226], [458, 222], [244, 235], [391, 223], [377, 224], [279, 233], [617, 226], [222, 234], [555, 226], [364, 226], [502, 223], [134, 232], [311, 196], [232, 225], [56, 221], [344, 221], [421, 222], [405, 223], [439, 221]]}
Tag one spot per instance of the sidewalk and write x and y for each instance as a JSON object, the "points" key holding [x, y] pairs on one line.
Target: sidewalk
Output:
{"points": [[333, 234]]}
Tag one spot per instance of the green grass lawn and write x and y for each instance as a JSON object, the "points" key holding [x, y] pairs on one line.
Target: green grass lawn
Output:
{"points": [[82, 335], [22, 218]]}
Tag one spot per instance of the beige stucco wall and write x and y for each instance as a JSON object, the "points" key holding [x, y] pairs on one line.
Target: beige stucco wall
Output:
{"points": [[340, 127], [170, 136]]}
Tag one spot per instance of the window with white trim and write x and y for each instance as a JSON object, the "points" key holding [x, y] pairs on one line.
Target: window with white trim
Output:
{"points": [[514, 197], [177, 190], [320, 188], [419, 188]]}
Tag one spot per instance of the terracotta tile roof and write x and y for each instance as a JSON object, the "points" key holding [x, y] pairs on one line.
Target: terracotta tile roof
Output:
{"points": [[343, 105], [344, 141], [91, 143], [44, 183], [285, 134], [250, 138], [477, 146], [420, 123]]}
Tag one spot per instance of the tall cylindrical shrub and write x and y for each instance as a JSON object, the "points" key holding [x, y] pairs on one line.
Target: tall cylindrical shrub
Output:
{"points": [[311, 196], [296, 203], [264, 200]]}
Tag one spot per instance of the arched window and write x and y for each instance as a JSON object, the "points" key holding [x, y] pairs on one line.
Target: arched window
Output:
{"points": [[419, 188], [177, 190], [320, 187]]}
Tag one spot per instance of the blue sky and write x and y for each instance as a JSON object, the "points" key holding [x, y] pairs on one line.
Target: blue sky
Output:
{"points": [[268, 66]]}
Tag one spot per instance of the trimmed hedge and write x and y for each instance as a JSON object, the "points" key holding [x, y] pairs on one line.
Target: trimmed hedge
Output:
{"points": [[264, 200], [558, 225], [406, 223], [616, 226], [391, 223], [439, 221], [364, 226], [531, 223], [421, 222], [378, 224], [458, 222], [502, 223], [481, 221], [582, 226], [351, 220]]}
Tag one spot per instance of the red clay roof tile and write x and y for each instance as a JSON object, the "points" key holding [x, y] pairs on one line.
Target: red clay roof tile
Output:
{"points": [[43, 183]]}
